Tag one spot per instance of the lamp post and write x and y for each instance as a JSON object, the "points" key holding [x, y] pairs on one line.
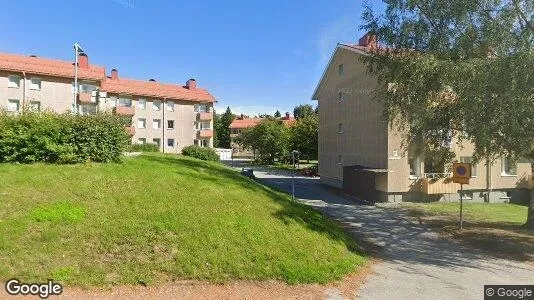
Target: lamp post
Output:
{"points": [[294, 154], [77, 51]]}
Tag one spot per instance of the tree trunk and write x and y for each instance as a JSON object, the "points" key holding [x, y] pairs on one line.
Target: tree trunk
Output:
{"points": [[530, 216]]}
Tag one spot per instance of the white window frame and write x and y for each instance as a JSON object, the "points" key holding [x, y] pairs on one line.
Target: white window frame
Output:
{"points": [[156, 105], [156, 141], [38, 103], [141, 141], [141, 121], [11, 102], [417, 168], [156, 121], [124, 102], [503, 168], [173, 143], [169, 105], [201, 108], [33, 85], [173, 124], [12, 84], [141, 103]]}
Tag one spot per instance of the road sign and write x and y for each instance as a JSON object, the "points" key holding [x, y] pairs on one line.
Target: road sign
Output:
{"points": [[461, 172]]}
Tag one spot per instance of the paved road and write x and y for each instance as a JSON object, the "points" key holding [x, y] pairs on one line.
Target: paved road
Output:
{"points": [[416, 264]]}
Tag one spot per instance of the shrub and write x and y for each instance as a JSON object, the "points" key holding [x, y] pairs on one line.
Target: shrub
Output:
{"points": [[61, 138], [144, 148], [200, 153]]}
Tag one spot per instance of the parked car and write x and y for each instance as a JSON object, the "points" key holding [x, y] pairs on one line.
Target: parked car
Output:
{"points": [[249, 172]]}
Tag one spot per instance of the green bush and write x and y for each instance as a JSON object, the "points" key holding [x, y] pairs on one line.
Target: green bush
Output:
{"points": [[200, 153], [144, 148], [61, 138]]}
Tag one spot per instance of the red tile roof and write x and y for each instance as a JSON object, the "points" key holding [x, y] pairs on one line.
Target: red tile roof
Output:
{"points": [[50, 67], [155, 90], [251, 122]]}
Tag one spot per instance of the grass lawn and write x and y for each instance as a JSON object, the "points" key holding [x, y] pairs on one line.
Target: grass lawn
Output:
{"points": [[157, 218], [494, 227]]}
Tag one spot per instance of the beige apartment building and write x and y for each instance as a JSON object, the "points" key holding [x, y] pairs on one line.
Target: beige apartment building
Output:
{"points": [[360, 153], [169, 115]]}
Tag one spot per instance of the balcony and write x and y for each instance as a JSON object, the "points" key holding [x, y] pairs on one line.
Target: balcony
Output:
{"points": [[84, 97], [433, 186], [205, 116], [205, 133], [124, 111], [130, 130]]}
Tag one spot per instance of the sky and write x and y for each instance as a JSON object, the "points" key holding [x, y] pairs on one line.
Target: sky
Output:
{"points": [[254, 56]]}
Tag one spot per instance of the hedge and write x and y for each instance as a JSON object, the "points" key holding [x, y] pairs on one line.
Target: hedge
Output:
{"points": [[144, 148], [50, 137], [200, 153]]}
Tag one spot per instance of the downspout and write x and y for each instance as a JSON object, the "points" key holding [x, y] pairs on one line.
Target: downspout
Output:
{"points": [[488, 179], [24, 89], [164, 107]]}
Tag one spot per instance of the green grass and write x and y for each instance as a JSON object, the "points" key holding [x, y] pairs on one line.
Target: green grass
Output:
{"points": [[158, 218], [483, 212]]}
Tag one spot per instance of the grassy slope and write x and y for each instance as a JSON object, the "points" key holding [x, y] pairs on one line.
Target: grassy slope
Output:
{"points": [[157, 218]]}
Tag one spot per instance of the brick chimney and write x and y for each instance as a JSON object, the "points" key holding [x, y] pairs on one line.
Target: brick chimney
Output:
{"points": [[114, 74], [191, 84], [368, 40], [83, 61]]}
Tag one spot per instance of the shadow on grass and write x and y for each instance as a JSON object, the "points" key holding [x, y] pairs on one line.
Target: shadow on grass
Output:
{"points": [[506, 240], [289, 212]]}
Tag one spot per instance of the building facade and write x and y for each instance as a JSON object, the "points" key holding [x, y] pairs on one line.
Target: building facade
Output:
{"points": [[169, 115], [356, 144]]}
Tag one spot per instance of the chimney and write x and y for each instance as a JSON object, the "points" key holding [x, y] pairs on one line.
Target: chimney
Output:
{"points": [[191, 84], [152, 80], [114, 74], [368, 40], [287, 116], [242, 117], [83, 61]]}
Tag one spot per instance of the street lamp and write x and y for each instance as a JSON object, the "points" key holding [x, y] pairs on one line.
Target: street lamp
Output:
{"points": [[77, 50], [294, 154]]}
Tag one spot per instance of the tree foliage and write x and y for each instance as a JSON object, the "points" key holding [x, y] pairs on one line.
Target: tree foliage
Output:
{"points": [[277, 114], [304, 136], [302, 111], [269, 140], [457, 69], [222, 128]]}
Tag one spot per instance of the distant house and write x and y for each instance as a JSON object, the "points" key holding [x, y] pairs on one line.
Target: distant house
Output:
{"points": [[170, 115], [243, 122], [360, 153]]}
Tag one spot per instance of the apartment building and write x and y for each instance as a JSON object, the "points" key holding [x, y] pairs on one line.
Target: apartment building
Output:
{"points": [[360, 153], [243, 122], [170, 115]]}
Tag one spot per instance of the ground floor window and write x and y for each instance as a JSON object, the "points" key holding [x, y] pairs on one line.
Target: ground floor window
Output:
{"points": [[13, 105], [87, 109], [202, 143], [157, 142], [170, 143], [509, 166], [415, 167], [35, 106], [141, 141]]}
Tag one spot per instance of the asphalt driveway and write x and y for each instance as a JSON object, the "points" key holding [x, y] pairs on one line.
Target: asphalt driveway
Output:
{"points": [[415, 262]]}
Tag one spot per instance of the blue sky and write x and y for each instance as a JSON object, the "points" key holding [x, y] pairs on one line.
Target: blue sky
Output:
{"points": [[254, 56]]}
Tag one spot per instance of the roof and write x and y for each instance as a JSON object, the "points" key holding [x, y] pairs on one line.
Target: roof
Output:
{"points": [[251, 122], [50, 67], [155, 89]]}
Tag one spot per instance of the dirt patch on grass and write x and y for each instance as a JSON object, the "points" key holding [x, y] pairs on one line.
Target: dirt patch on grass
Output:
{"points": [[194, 289], [497, 239]]}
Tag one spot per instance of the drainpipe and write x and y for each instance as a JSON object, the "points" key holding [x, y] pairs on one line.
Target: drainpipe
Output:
{"points": [[488, 179], [24, 89], [164, 107]]}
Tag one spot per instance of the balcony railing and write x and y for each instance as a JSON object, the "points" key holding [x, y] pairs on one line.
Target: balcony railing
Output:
{"points": [[439, 184], [124, 110], [84, 97], [205, 133]]}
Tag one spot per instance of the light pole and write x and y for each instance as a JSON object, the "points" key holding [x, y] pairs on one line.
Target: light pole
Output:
{"points": [[293, 154], [77, 51]]}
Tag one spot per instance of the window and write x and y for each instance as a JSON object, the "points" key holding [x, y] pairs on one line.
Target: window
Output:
{"points": [[339, 159], [201, 108], [469, 160], [157, 142], [13, 105], [87, 87], [202, 143], [340, 70], [340, 97], [141, 123], [87, 109], [125, 102], [340, 128], [203, 125], [509, 166], [35, 84], [156, 123], [170, 106], [467, 196], [170, 143], [35, 106], [170, 124], [141, 104], [156, 105], [141, 141], [14, 81], [415, 167]]}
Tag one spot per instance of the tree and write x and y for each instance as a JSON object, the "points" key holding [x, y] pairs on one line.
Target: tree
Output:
{"points": [[277, 114], [222, 133], [269, 140], [217, 128], [304, 136], [459, 69], [302, 111]]}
